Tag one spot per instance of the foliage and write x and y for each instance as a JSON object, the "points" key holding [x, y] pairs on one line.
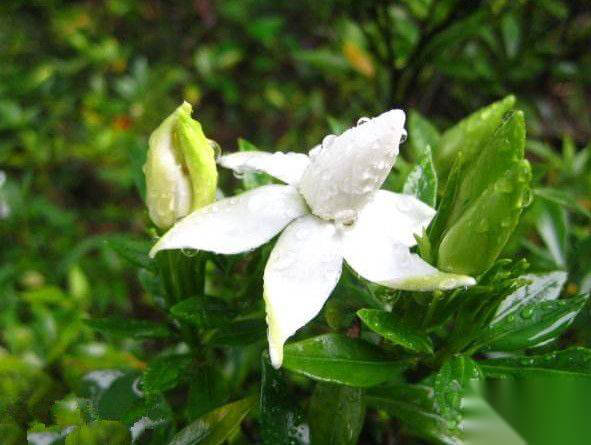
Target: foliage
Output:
{"points": [[101, 344]]}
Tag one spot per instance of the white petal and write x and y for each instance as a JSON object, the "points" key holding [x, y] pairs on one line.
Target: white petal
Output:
{"points": [[394, 217], [376, 257], [303, 269], [236, 224], [345, 172], [287, 167]]}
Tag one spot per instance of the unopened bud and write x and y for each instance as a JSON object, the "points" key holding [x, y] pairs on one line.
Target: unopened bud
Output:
{"points": [[181, 173]]}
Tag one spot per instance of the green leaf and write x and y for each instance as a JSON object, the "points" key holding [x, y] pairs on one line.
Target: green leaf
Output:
{"points": [[112, 392], [422, 180], [552, 225], [203, 312], [475, 241], [239, 332], [451, 384], [535, 324], [135, 252], [421, 422], [571, 363], [500, 153], [282, 419], [208, 390], [542, 287], [470, 134], [99, 433], [340, 359], [423, 137], [164, 373], [395, 329], [129, 328], [336, 414], [216, 426], [562, 198], [439, 224]]}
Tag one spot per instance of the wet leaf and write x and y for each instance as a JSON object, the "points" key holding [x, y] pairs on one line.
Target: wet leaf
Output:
{"points": [[397, 330], [340, 359]]}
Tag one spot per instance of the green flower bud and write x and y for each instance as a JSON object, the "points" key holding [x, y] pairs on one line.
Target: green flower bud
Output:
{"points": [[181, 173], [470, 134], [475, 241]]}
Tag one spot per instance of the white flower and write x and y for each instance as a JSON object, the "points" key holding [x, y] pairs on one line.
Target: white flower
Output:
{"points": [[332, 210]]}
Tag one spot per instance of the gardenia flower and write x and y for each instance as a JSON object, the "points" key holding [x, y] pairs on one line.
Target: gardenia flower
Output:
{"points": [[330, 210]]}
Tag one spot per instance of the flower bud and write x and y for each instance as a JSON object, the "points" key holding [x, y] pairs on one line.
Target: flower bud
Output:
{"points": [[181, 173]]}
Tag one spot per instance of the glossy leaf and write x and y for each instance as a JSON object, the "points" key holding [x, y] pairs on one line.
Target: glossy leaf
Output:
{"points": [[135, 252], [203, 312], [474, 242], [396, 329], [422, 180], [216, 426], [423, 137], [164, 373], [125, 328], [451, 384], [542, 287], [208, 389], [239, 332], [282, 419], [552, 225], [336, 414], [340, 359], [421, 422], [470, 134], [571, 363], [503, 150]]}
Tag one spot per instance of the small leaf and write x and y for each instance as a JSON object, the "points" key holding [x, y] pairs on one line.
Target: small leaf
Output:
{"points": [[417, 420], [112, 392], [423, 137], [129, 328], [99, 433], [543, 287], [216, 426], [552, 225], [282, 419], [336, 414], [208, 390], [421, 182], [164, 373], [571, 363], [203, 312], [451, 384], [562, 198], [340, 359], [395, 329], [135, 252], [239, 332]]}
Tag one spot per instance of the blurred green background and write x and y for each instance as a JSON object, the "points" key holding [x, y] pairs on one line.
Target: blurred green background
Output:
{"points": [[82, 85]]}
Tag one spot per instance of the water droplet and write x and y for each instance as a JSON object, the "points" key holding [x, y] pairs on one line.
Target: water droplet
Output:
{"points": [[328, 140], [216, 148], [527, 312], [403, 136]]}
